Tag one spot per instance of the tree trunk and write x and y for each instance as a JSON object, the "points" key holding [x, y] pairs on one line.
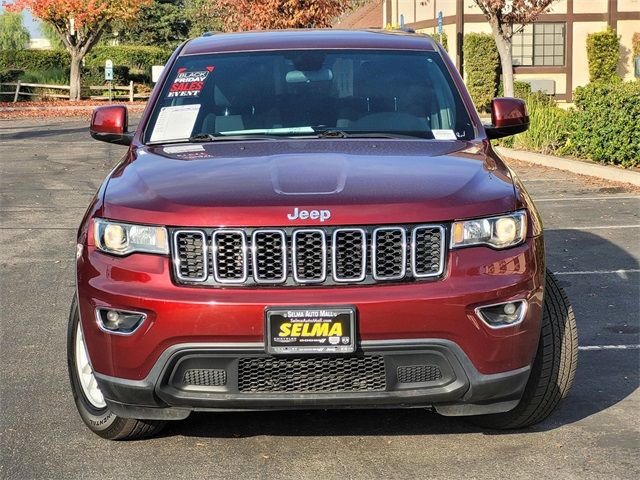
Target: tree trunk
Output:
{"points": [[74, 77], [506, 63]]}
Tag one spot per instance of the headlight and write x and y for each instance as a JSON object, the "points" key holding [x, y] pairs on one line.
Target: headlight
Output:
{"points": [[499, 232], [124, 238]]}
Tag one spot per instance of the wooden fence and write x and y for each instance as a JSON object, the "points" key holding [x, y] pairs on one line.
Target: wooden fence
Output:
{"points": [[17, 90]]}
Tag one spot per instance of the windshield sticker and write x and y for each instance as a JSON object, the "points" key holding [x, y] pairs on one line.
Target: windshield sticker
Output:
{"points": [[188, 84], [175, 123], [444, 135]]}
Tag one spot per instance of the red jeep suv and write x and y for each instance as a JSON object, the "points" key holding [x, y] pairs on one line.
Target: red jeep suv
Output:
{"points": [[313, 219]]}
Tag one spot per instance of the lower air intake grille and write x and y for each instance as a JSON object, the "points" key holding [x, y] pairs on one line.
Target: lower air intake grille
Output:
{"points": [[205, 377], [419, 373], [324, 374]]}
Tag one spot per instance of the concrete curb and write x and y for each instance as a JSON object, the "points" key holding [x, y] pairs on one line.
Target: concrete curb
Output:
{"points": [[614, 174]]}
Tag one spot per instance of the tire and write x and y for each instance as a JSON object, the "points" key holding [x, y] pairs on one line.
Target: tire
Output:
{"points": [[95, 413], [553, 369]]}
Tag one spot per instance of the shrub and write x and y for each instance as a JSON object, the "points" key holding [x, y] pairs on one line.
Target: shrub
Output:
{"points": [[10, 75], [94, 75], [606, 123], [548, 125], [635, 42], [521, 89], [33, 60], [603, 53], [132, 56], [481, 68], [130, 62], [441, 38], [54, 76]]}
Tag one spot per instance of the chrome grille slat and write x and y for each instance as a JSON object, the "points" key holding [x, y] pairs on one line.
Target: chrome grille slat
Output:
{"points": [[349, 254], [427, 255], [230, 256], [269, 265], [191, 259], [309, 255], [313, 256], [389, 253]]}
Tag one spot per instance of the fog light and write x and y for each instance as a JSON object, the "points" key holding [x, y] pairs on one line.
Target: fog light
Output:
{"points": [[510, 309], [503, 314], [119, 321]]}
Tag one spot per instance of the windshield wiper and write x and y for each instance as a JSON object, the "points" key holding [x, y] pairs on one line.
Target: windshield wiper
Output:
{"points": [[202, 137], [209, 137], [337, 133], [331, 133]]}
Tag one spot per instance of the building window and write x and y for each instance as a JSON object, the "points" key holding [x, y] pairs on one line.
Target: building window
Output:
{"points": [[539, 44]]}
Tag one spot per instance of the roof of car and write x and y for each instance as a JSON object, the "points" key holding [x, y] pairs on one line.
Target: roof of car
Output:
{"points": [[304, 39]]}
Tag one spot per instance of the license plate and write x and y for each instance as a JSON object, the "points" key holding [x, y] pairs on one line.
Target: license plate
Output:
{"points": [[300, 330]]}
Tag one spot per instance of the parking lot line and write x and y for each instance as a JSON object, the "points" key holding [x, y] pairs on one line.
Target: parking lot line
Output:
{"points": [[608, 347], [603, 197], [600, 272], [600, 227]]}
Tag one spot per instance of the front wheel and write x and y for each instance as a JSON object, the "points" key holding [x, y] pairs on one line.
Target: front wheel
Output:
{"points": [[87, 395], [553, 369]]}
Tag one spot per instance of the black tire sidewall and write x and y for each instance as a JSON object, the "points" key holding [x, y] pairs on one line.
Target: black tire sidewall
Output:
{"points": [[98, 420]]}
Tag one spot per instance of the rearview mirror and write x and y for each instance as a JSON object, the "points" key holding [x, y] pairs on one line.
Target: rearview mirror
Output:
{"points": [[298, 76], [508, 117], [110, 124]]}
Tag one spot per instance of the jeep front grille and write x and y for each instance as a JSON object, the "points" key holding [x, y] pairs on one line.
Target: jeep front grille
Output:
{"points": [[308, 256], [311, 374]]}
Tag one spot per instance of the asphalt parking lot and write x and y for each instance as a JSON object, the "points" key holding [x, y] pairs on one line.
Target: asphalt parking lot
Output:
{"points": [[49, 170]]}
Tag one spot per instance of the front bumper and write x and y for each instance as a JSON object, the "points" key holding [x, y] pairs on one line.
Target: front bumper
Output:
{"points": [[452, 386], [486, 369]]}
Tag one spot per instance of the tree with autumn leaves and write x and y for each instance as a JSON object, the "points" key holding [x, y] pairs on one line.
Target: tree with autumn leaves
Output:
{"points": [[279, 14], [79, 24], [507, 17]]}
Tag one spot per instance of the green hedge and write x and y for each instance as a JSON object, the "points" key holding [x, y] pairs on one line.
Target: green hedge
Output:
{"points": [[94, 75], [441, 38], [521, 89], [548, 125], [130, 62], [481, 68], [603, 53], [606, 123], [33, 60], [10, 75], [132, 56]]}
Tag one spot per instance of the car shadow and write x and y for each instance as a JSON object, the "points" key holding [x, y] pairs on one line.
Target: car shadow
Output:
{"points": [[42, 133], [603, 378]]}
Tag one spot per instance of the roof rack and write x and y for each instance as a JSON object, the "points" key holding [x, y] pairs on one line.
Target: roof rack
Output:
{"points": [[210, 34]]}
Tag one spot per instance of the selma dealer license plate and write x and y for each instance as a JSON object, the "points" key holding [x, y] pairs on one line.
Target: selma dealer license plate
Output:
{"points": [[299, 330]]}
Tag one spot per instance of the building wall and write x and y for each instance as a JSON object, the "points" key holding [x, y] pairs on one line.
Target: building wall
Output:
{"points": [[579, 52], [560, 79], [626, 29], [629, 6], [588, 16], [590, 6]]}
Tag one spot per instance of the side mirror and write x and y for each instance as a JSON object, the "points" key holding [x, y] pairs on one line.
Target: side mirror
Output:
{"points": [[110, 124], [508, 117]]}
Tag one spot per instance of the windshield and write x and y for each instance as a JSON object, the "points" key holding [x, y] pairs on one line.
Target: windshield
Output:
{"points": [[336, 93]]}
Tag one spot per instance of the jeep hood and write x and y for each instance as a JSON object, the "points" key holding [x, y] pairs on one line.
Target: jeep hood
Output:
{"points": [[257, 183]]}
